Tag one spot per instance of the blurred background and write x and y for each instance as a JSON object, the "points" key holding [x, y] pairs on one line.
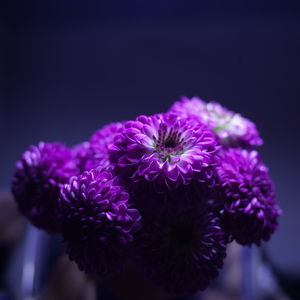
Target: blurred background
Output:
{"points": [[69, 67]]}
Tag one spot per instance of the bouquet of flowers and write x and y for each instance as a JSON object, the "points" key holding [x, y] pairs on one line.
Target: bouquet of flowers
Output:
{"points": [[165, 192]]}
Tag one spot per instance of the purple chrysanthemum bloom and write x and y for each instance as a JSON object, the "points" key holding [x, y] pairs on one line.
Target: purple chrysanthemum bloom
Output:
{"points": [[82, 156], [94, 153], [98, 222], [231, 129], [250, 211], [105, 135], [101, 139], [165, 149], [39, 176], [85, 159], [181, 253]]}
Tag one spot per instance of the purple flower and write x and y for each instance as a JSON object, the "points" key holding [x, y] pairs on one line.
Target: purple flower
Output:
{"points": [[86, 159], [98, 222], [250, 210], [105, 135], [181, 253], [101, 139], [231, 129], [165, 149], [39, 176], [94, 154], [82, 156]]}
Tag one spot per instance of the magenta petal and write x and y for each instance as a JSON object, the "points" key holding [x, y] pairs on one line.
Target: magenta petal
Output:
{"points": [[142, 169], [173, 174], [154, 167], [151, 176], [124, 162]]}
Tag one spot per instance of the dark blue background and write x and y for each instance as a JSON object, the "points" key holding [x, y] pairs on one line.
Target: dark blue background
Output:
{"points": [[68, 67]]}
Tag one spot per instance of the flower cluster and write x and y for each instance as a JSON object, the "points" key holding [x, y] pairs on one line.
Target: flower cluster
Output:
{"points": [[165, 192]]}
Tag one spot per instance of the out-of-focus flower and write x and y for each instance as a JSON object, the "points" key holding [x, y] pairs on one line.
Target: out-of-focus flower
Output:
{"points": [[39, 176], [104, 136], [250, 211], [85, 159], [94, 153], [165, 149], [182, 252], [101, 139], [231, 129], [98, 222]]}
